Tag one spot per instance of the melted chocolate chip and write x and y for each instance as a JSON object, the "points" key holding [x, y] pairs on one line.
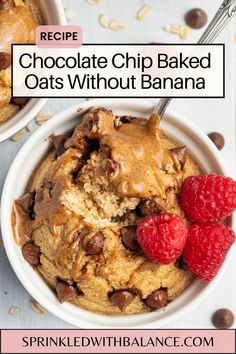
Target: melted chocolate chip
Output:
{"points": [[157, 299], [111, 167], [5, 60], [59, 142], [125, 119], [129, 238], [19, 101], [105, 150], [196, 18], [223, 319], [180, 154], [4, 4], [94, 244], [181, 264], [122, 298], [217, 139], [31, 253], [149, 206], [39, 195], [27, 202], [65, 291]]}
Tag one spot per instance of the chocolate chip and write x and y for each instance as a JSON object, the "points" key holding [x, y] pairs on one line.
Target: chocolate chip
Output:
{"points": [[196, 18], [111, 168], [129, 238], [157, 299], [223, 318], [65, 291], [5, 60], [19, 101], [58, 142], [180, 153], [125, 119], [31, 253], [4, 4], [27, 202], [149, 206], [181, 264], [39, 195], [217, 139], [122, 298], [105, 150], [93, 245]]}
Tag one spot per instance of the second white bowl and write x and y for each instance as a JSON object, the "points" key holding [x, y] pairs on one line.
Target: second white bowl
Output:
{"points": [[53, 14]]}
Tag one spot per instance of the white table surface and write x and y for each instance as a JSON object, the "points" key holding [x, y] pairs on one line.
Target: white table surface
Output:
{"points": [[208, 114]]}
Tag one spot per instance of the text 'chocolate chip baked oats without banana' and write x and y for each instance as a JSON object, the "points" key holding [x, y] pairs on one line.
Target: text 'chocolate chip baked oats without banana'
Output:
{"points": [[77, 223]]}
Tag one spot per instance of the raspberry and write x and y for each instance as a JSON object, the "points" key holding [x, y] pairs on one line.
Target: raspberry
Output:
{"points": [[162, 237], [206, 248], [208, 198]]}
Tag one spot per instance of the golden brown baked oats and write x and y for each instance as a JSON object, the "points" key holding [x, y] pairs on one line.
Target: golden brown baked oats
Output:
{"points": [[76, 225]]}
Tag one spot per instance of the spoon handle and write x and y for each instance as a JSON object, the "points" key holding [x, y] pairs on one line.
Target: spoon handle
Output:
{"points": [[225, 13]]}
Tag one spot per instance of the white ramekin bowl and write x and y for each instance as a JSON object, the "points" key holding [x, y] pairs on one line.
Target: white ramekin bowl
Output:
{"points": [[177, 127], [53, 14]]}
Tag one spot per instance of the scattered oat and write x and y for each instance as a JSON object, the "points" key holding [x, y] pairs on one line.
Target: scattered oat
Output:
{"points": [[103, 21], [93, 2], [116, 25], [43, 117], [36, 307], [173, 28], [13, 310], [1, 243], [181, 30], [143, 12], [18, 136], [69, 13], [29, 127], [79, 109]]}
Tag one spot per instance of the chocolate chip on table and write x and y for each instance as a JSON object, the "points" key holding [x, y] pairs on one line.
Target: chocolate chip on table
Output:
{"points": [[31, 253], [157, 299], [65, 291], [129, 238], [217, 139], [4, 4], [58, 142], [122, 298], [19, 101], [149, 206], [196, 18], [26, 202], [180, 154], [223, 318], [93, 245], [5, 60]]}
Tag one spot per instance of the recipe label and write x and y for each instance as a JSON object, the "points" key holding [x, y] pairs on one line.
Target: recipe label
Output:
{"points": [[59, 36], [119, 70]]}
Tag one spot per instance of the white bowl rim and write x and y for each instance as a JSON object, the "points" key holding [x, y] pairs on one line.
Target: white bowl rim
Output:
{"points": [[35, 103], [61, 310]]}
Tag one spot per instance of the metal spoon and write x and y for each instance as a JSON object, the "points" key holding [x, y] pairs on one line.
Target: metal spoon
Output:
{"points": [[225, 13]]}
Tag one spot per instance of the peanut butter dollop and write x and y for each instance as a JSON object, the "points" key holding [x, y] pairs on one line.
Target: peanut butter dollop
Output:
{"points": [[136, 161]]}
